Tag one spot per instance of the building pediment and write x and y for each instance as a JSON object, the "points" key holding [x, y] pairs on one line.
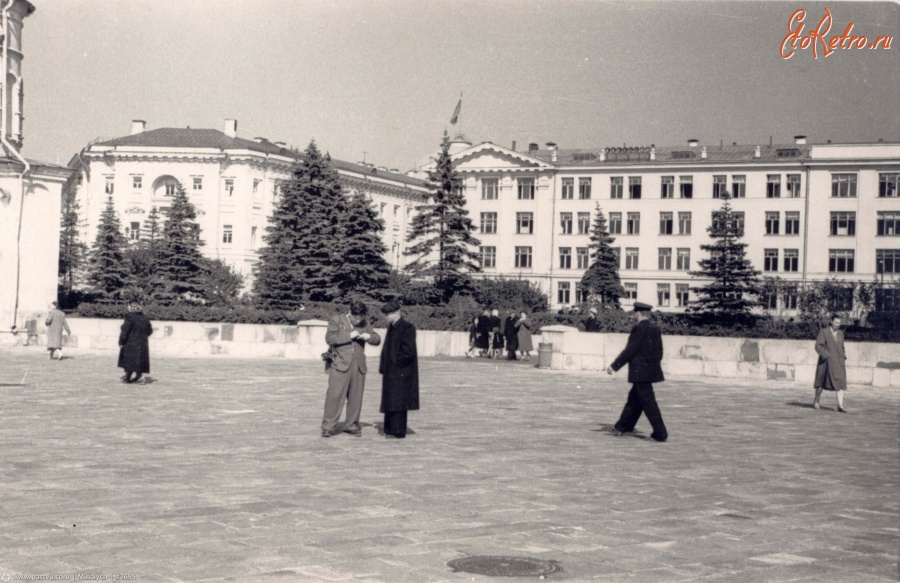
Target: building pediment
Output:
{"points": [[494, 158]]}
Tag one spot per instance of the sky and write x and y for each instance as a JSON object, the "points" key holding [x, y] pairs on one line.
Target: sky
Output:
{"points": [[378, 80]]}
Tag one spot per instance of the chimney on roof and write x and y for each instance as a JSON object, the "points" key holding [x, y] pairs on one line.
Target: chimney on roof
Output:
{"points": [[513, 146], [800, 140], [231, 128], [533, 147], [703, 152], [603, 155], [693, 142], [756, 153], [552, 147], [137, 126], [653, 151]]}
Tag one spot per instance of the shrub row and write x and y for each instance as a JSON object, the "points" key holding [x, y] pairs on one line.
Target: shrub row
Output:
{"points": [[451, 318]]}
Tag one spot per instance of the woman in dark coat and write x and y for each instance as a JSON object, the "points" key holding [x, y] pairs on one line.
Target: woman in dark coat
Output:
{"points": [[523, 325], [473, 337], [831, 371], [511, 334], [482, 340], [134, 354]]}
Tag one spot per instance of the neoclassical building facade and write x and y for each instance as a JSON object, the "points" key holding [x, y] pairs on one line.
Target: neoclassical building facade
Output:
{"points": [[232, 181], [809, 212]]}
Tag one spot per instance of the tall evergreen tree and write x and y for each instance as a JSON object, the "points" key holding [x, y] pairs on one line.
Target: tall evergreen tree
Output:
{"points": [[152, 232], [180, 266], [735, 285], [143, 258], [442, 232], [108, 272], [300, 257], [363, 273], [72, 252], [601, 280]]}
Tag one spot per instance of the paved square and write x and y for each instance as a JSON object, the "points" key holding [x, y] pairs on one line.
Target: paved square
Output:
{"points": [[216, 472]]}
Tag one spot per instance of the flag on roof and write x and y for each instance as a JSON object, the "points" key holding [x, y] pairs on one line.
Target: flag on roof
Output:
{"points": [[455, 117]]}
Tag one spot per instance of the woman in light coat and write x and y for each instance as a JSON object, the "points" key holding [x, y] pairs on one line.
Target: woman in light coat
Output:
{"points": [[523, 325], [56, 323], [831, 372]]}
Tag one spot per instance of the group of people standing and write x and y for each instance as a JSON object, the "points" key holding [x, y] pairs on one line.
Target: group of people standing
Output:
{"points": [[490, 336]]}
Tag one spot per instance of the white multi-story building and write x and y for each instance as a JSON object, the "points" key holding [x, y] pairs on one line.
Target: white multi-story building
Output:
{"points": [[232, 181], [810, 212]]}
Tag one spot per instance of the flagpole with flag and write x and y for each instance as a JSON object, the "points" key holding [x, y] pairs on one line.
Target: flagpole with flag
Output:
{"points": [[455, 117]]}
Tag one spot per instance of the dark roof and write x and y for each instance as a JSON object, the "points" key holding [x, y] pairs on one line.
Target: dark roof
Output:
{"points": [[206, 138], [674, 154]]}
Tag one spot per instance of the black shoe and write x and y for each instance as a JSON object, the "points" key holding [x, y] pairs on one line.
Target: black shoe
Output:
{"points": [[618, 432], [326, 433], [354, 432], [841, 410]]}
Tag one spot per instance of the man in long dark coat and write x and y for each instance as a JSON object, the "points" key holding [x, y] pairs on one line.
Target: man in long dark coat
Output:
{"points": [[512, 335], [400, 369], [831, 371], [643, 354], [134, 354], [483, 338]]}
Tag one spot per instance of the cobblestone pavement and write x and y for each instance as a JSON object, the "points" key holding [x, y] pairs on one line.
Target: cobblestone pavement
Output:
{"points": [[216, 472]]}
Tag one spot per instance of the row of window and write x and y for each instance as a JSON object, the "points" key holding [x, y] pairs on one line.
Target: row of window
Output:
{"points": [[663, 293], [137, 183], [839, 260], [842, 186], [133, 233], [841, 224]]}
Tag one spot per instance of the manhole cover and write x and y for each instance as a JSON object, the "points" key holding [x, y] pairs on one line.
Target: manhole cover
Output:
{"points": [[504, 566]]}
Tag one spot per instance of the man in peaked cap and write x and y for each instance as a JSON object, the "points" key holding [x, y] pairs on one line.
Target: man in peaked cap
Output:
{"points": [[643, 354], [400, 372]]}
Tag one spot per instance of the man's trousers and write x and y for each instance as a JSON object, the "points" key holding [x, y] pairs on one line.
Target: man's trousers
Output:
{"points": [[343, 386], [641, 399]]}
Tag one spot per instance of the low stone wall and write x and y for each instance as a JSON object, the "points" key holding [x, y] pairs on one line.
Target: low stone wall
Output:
{"points": [[303, 341], [868, 363]]}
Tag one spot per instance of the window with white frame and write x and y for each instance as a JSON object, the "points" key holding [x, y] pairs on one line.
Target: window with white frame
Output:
{"points": [[137, 182], [631, 258], [792, 260], [667, 190], [666, 223], [227, 233], [738, 186], [684, 223], [565, 258], [793, 186], [682, 294], [568, 188], [634, 187], [887, 261], [133, 231], [684, 259], [523, 257], [665, 258], [841, 260], [524, 223], [888, 183], [253, 235], [562, 292], [617, 252], [789, 299], [770, 259], [843, 185], [584, 223], [615, 223], [487, 256], [109, 187], [489, 188], [720, 186], [257, 182], [631, 290], [229, 186], [488, 224], [584, 188], [686, 186], [526, 188], [581, 294], [773, 186], [792, 223], [888, 223], [584, 257], [663, 293], [615, 187], [772, 222], [197, 182], [843, 224], [565, 223], [634, 224]]}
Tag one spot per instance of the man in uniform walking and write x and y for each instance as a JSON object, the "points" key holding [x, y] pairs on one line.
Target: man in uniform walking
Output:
{"points": [[347, 336], [643, 354]]}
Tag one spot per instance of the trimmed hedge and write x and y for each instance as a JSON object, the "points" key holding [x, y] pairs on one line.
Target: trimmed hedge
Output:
{"points": [[450, 318]]}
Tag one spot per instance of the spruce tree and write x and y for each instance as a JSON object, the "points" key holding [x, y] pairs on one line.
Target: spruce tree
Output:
{"points": [[108, 272], [362, 273], [300, 257], [72, 252], [180, 266], [731, 295], [442, 232], [601, 280], [143, 258]]}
